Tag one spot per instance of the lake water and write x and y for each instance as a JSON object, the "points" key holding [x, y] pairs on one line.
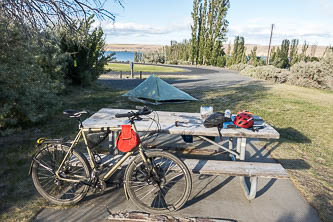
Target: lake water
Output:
{"points": [[123, 56]]}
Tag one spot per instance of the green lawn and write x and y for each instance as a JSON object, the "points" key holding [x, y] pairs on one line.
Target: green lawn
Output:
{"points": [[141, 67], [304, 118]]}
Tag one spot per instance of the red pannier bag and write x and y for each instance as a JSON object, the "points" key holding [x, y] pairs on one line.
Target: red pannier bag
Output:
{"points": [[128, 139]]}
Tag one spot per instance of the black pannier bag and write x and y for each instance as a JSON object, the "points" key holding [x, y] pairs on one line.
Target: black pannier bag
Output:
{"points": [[94, 139], [215, 120]]}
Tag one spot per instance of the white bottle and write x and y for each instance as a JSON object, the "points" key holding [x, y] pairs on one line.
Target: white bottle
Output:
{"points": [[227, 113]]}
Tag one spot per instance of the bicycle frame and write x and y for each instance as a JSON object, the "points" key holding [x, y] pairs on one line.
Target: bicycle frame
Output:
{"points": [[92, 162]]}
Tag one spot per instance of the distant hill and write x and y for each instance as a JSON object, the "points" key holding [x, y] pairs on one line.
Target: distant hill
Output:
{"points": [[261, 50], [132, 47]]}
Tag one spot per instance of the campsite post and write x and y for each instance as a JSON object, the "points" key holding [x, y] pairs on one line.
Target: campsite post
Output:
{"points": [[132, 67]]}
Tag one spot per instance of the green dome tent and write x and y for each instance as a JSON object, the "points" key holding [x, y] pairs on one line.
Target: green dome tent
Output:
{"points": [[156, 91]]}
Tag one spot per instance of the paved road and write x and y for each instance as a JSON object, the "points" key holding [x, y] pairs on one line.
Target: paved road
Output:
{"points": [[213, 196], [207, 78]]}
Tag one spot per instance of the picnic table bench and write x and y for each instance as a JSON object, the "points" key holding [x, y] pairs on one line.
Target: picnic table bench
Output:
{"points": [[191, 124]]}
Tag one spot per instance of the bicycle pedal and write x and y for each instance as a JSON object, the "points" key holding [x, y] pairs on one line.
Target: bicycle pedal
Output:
{"points": [[99, 187]]}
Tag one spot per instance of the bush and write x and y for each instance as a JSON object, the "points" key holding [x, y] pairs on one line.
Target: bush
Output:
{"points": [[27, 91], [86, 50], [312, 74], [270, 73], [173, 62], [239, 67], [221, 61]]}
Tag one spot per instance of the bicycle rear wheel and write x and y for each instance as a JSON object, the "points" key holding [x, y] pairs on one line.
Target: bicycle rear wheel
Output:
{"points": [[160, 186], [52, 188]]}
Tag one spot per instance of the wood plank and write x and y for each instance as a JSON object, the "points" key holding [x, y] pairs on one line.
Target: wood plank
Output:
{"points": [[236, 168], [138, 216], [189, 150], [192, 124]]}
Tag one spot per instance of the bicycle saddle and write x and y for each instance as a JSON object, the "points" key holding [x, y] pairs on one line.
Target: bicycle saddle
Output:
{"points": [[74, 113]]}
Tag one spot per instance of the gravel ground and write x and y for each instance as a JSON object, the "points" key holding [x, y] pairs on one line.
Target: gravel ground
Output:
{"points": [[205, 77]]}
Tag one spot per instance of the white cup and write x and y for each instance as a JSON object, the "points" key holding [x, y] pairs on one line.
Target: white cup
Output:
{"points": [[205, 111]]}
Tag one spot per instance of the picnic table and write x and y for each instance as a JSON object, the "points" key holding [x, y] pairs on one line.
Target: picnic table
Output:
{"points": [[182, 123]]}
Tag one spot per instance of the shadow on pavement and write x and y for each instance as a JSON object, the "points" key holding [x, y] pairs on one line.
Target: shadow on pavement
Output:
{"points": [[198, 197]]}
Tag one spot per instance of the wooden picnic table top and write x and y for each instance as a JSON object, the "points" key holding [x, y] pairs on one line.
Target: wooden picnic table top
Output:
{"points": [[192, 124]]}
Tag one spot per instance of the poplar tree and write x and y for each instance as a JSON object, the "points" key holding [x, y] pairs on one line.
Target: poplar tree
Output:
{"points": [[194, 29], [303, 56], [202, 36], [220, 30], [253, 60], [208, 31], [281, 59], [293, 56], [238, 52]]}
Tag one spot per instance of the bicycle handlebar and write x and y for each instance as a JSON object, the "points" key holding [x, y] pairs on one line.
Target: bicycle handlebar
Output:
{"points": [[142, 111], [120, 115]]}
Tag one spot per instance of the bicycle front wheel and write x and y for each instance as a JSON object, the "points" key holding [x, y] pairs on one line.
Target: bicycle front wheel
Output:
{"points": [[161, 185], [55, 190]]}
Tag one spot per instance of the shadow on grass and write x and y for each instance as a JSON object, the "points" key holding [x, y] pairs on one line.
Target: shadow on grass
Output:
{"points": [[263, 155], [290, 134]]}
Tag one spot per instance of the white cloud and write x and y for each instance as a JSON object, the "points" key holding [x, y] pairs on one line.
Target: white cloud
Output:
{"points": [[119, 32], [257, 31]]}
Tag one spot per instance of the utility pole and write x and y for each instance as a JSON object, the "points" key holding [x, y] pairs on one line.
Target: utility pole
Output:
{"points": [[269, 46]]}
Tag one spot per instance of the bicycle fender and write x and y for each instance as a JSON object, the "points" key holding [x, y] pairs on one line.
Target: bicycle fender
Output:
{"points": [[33, 160], [126, 194], [39, 151]]}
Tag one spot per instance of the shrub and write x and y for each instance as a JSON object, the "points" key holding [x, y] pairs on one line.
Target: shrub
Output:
{"points": [[239, 67], [221, 61], [313, 74], [270, 73], [27, 91], [86, 50]]}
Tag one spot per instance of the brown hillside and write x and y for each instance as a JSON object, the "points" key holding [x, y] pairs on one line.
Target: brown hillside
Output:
{"points": [[261, 51]]}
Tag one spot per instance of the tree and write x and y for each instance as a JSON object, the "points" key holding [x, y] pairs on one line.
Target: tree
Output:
{"points": [[238, 52], [293, 53], [29, 80], [208, 30], [194, 28], [86, 49], [228, 49], [253, 60], [220, 31], [303, 57], [281, 59], [40, 13]]}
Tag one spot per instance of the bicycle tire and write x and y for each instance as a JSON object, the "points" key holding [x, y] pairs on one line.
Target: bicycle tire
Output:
{"points": [[169, 194], [75, 166]]}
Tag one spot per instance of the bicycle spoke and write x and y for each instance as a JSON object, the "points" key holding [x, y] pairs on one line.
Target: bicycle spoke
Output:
{"points": [[170, 178], [150, 191], [54, 189], [143, 186]]}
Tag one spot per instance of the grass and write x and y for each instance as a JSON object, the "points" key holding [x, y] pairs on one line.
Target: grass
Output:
{"points": [[303, 117], [124, 67]]}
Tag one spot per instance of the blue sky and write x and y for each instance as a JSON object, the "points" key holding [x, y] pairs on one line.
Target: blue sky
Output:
{"points": [[158, 22]]}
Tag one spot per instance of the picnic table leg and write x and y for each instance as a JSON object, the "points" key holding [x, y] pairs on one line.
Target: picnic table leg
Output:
{"points": [[238, 145], [251, 190]]}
